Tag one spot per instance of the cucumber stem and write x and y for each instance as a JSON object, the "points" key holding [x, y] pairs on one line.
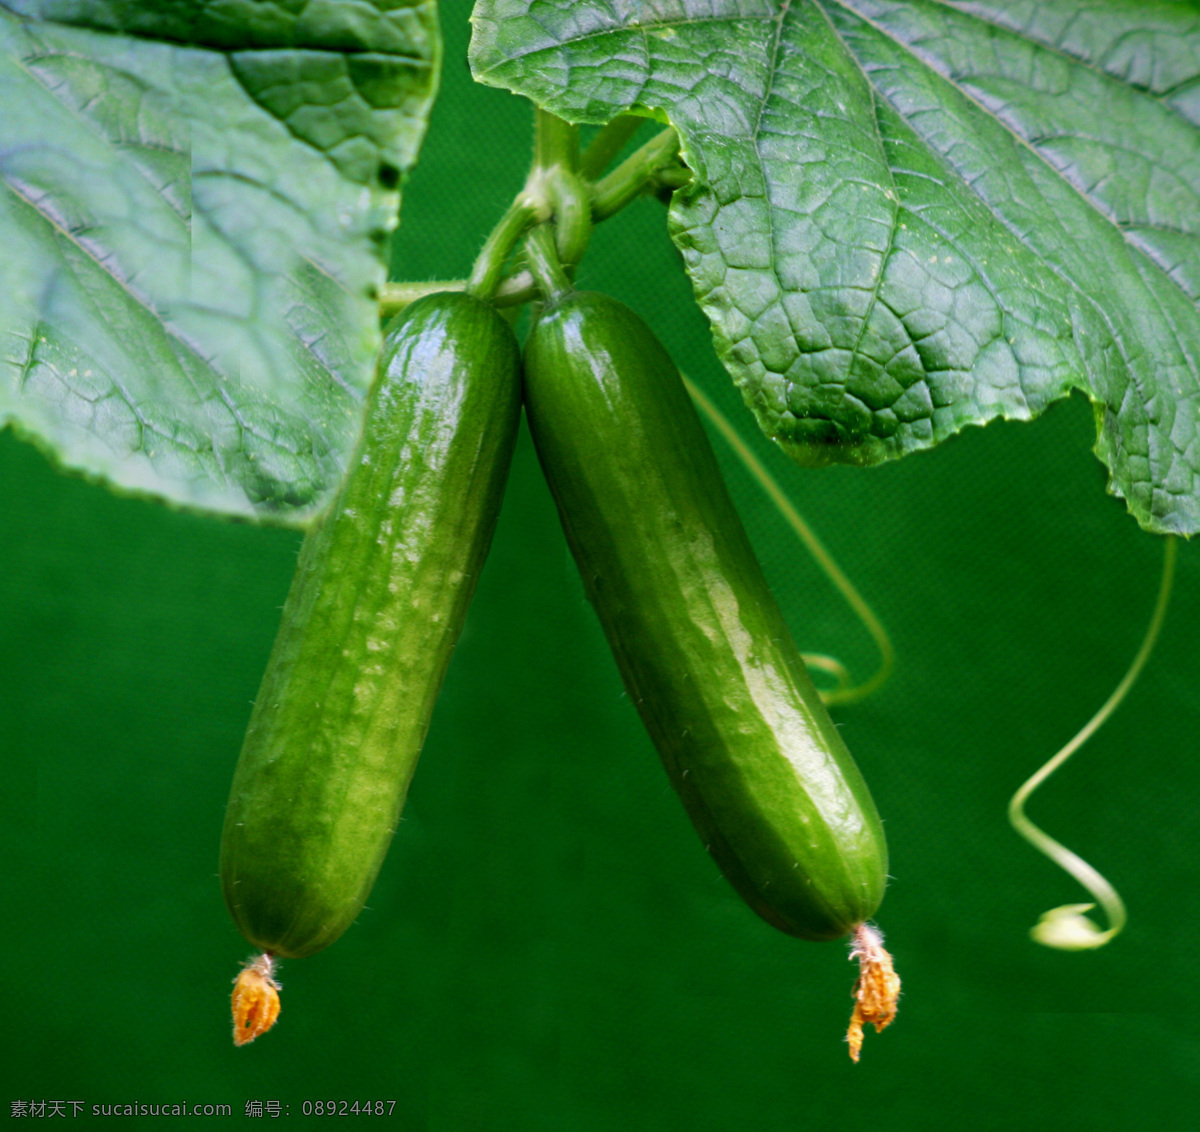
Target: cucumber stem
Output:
{"points": [[569, 198], [394, 297], [555, 142], [555, 179], [554, 191], [607, 143], [542, 252], [634, 175], [1066, 927], [516, 290], [489, 267]]}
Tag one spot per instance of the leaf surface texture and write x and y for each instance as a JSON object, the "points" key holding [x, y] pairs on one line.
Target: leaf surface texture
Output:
{"points": [[195, 204], [910, 217]]}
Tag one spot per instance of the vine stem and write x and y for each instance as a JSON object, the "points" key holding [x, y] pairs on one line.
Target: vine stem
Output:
{"points": [[842, 693], [516, 290], [488, 270], [542, 252], [568, 196], [555, 190], [1066, 927], [629, 179], [555, 142], [607, 143], [394, 297]]}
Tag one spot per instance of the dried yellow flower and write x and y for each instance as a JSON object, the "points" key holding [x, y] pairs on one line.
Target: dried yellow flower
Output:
{"points": [[876, 990], [255, 1000]]}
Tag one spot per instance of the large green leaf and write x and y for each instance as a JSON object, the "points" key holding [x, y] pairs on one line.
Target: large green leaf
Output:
{"points": [[195, 206], [909, 217]]}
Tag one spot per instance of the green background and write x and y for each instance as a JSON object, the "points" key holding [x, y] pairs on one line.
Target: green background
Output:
{"points": [[548, 946]]}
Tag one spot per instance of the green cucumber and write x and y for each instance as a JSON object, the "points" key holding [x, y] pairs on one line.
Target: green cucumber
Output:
{"points": [[701, 644], [376, 605]]}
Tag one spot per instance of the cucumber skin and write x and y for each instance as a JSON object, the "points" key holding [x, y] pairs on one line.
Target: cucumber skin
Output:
{"points": [[700, 642], [375, 608]]}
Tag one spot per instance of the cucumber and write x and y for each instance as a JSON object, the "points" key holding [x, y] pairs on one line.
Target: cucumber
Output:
{"points": [[376, 605], [701, 644]]}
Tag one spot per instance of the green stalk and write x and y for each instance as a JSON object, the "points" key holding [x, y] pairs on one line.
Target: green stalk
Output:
{"points": [[542, 251], [554, 191], [394, 297], [489, 267], [673, 177], [634, 175], [555, 178], [516, 290], [571, 202], [607, 144], [555, 142]]}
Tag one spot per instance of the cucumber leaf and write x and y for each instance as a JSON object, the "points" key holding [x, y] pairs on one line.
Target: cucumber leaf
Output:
{"points": [[910, 217], [195, 205]]}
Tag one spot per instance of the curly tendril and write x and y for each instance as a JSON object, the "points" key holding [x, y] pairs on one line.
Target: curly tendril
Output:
{"points": [[1067, 927]]}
